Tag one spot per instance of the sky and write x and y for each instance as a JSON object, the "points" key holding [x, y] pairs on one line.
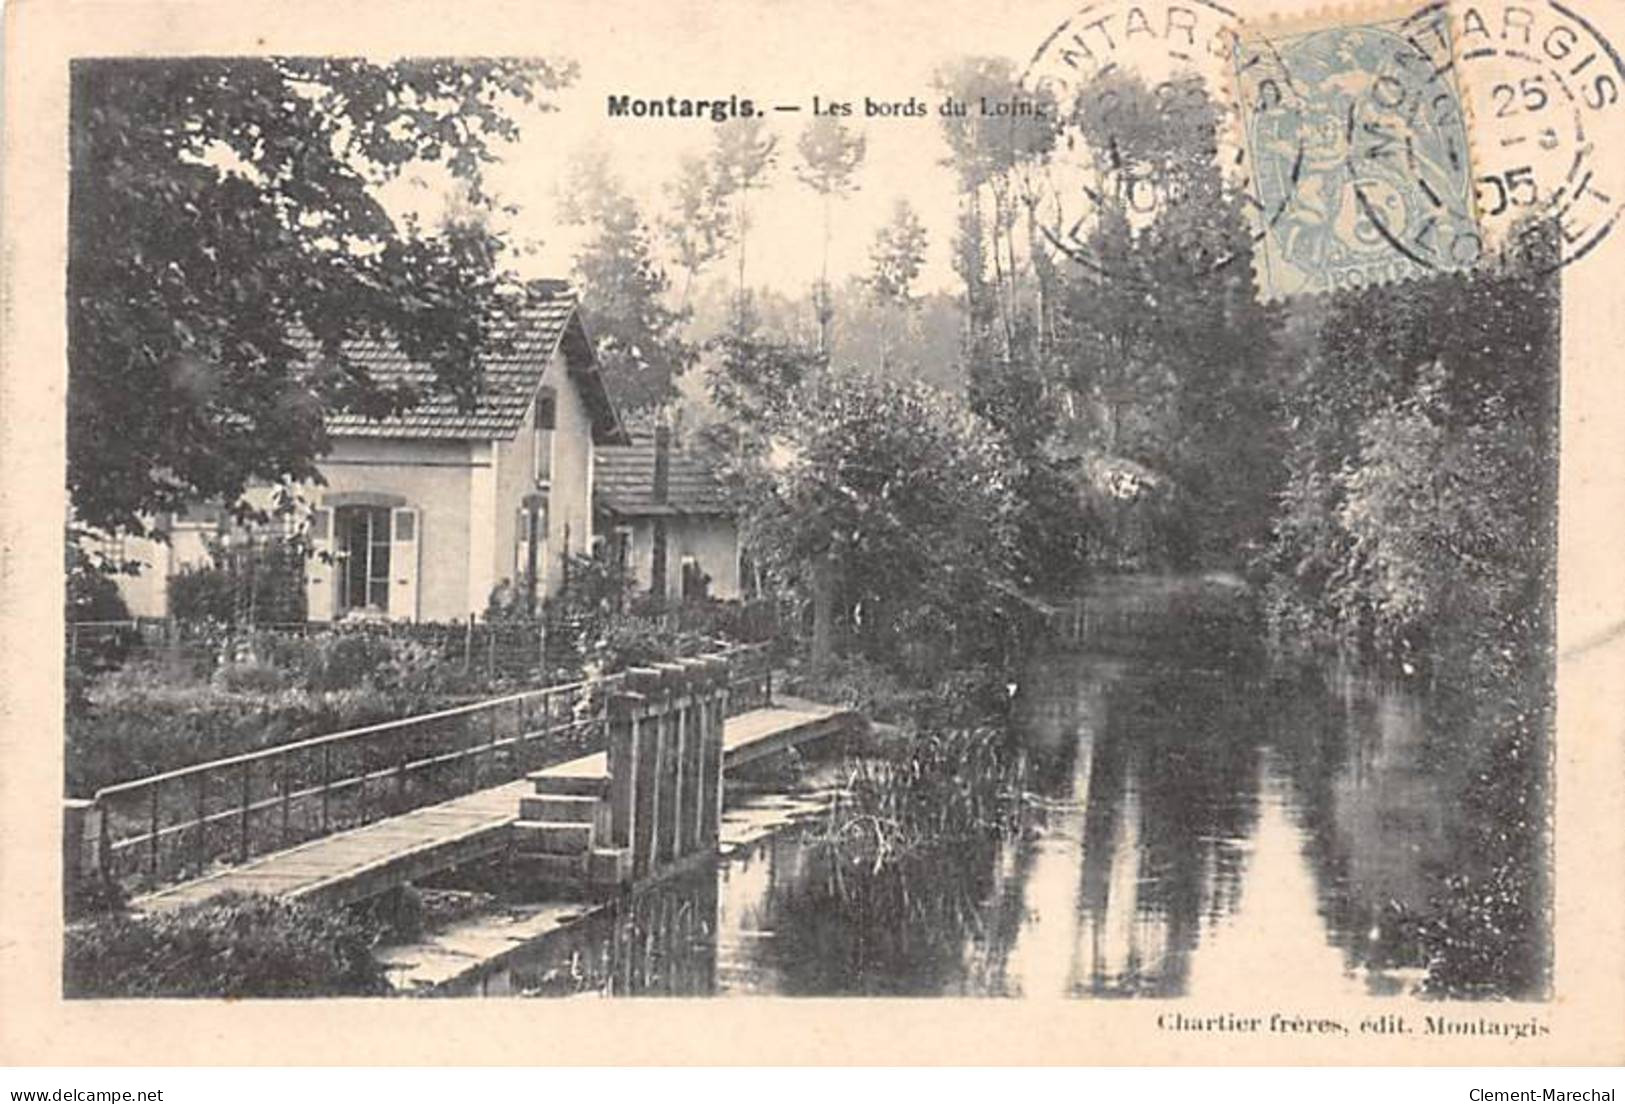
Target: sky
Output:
{"points": [[834, 51]]}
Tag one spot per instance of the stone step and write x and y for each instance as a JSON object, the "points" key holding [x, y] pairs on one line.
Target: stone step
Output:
{"points": [[607, 866], [559, 808], [552, 837], [576, 785]]}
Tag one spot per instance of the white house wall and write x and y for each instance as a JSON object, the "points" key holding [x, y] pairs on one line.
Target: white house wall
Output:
{"points": [[714, 544], [435, 477], [147, 594], [468, 496], [569, 508], [712, 541]]}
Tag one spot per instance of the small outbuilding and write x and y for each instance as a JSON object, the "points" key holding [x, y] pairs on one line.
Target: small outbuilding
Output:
{"points": [[663, 513]]}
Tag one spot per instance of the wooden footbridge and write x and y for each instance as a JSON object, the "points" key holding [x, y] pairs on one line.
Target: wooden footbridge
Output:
{"points": [[343, 818]]}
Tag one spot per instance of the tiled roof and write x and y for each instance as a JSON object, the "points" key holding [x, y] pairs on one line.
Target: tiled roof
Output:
{"points": [[624, 482], [511, 376]]}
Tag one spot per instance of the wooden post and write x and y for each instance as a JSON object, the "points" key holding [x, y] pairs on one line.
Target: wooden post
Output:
{"points": [[650, 683], [242, 833], [625, 716], [104, 843], [78, 815], [200, 849], [361, 785], [693, 783], [522, 746], [327, 781], [400, 775], [711, 813], [676, 677], [652, 781], [152, 818], [672, 833], [704, 697], [547, 720], [283, 783], [710, 746]]}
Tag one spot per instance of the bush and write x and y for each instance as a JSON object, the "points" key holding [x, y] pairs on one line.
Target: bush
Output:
{"points": [[258, 581], [250, 677], [200, 593], [629, 641], [346, 660], [231, 946], [137, 724]]}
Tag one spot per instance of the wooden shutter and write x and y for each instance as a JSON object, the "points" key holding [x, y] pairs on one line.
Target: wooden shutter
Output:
{"points": [[521, 547], [320, 570], [406, 540]]}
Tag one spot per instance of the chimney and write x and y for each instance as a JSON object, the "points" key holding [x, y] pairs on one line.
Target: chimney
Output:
{"points": [[662, 460]]}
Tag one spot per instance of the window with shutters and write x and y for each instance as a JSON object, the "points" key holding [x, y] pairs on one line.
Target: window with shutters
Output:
{"points": [[363, 549], [530, 539], [544, 439]]}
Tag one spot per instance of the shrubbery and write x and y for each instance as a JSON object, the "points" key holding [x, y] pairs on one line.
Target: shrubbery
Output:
{"points": [[231, 946], [258, 581], [1418, 528], [137, 723]]}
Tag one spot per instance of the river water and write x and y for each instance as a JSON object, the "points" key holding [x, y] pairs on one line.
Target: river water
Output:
{"points": [[1185, 829]]}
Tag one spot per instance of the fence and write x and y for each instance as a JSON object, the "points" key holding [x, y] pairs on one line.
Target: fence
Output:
{"points": [[493, 648], [181, 823], [501, 648]]}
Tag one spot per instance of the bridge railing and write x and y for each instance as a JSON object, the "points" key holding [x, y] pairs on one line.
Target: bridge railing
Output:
{"points": [[183, 823]]}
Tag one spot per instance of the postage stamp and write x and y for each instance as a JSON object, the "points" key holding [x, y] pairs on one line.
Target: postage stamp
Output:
{"points": [[1358, 139]]}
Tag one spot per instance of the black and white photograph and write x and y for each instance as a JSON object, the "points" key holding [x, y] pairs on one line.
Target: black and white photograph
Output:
{"points": [[831, 501]]}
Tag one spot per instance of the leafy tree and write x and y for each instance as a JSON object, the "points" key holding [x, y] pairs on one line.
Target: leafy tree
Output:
{"points": [[893, 510], [699, 226], [755, 381], [1420, 501], [741, 159], [1012, 396], [92, 595], [218, 209], [1161, 340], [895, 262], [998, 161], [830, 156], [623, 289]]}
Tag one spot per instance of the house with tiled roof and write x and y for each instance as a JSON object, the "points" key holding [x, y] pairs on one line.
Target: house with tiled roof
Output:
{"points": [[665, 515], [424, 515]]}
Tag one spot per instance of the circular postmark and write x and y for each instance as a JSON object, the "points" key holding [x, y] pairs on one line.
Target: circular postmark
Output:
{"points": [[1543, 88], [1146, 97]]}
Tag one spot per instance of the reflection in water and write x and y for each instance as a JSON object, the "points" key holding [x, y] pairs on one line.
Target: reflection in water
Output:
{"points": [[1184, 832]]}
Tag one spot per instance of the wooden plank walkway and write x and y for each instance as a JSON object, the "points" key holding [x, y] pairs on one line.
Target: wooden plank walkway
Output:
{"points": [[362, 862]]}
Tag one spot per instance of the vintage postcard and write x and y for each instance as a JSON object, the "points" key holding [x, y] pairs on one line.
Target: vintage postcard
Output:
{"points": [[1059, 533]]}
